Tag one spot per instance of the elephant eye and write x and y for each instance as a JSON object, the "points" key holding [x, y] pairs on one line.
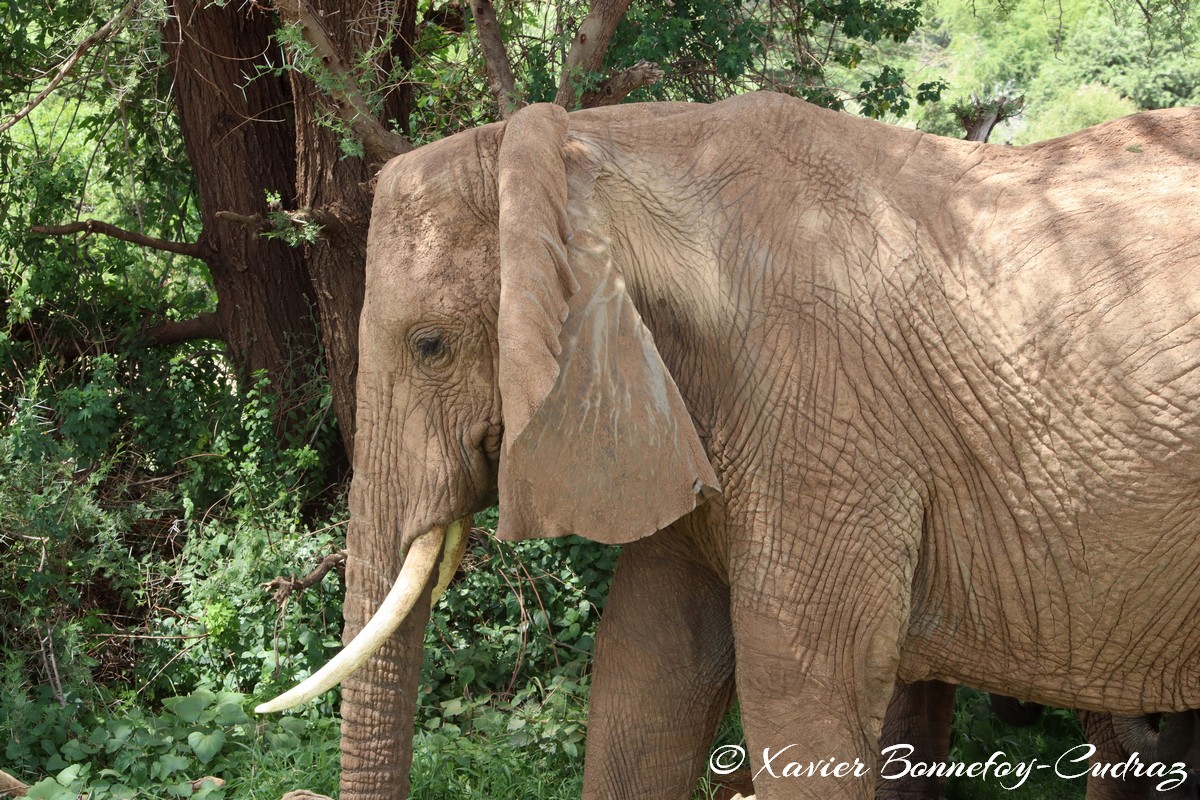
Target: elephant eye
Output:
{"points": [[430, 347]]}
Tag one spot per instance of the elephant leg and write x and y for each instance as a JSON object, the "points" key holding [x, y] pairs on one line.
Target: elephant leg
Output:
{"points": [[818, 618], [918, 715], [663, 676]]}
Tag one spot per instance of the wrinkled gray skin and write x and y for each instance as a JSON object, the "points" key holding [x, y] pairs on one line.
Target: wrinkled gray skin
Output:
{"points": [[896, 405]]}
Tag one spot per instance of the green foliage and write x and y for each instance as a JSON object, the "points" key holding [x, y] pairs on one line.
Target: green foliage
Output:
{"points": [[295, 228], [827, 53], [1154, 67], [1075, 109], [201, 745], [707, 49], [113, 594], [518, 611], [508, 651], [1075, 64], [1110, 66], [977, 733]]}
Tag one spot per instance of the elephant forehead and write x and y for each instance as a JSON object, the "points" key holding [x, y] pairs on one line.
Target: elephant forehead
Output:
{"points": [[443, 249], [455, 169]]}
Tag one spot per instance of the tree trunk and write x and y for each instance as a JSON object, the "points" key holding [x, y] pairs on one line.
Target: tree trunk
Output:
{"points": [[241, 143], [339, 190], [379, 701]]}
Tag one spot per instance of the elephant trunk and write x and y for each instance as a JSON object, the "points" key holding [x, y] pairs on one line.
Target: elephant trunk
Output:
{"points": [[396, 607], [379, 701], [1167, 742], [380, 666]]}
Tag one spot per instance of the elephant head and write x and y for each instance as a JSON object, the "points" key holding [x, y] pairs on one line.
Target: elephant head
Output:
{"points": [[500, 353]]}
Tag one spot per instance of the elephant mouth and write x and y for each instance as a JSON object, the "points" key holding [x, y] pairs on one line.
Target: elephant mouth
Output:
{"points": [[440, 548]]}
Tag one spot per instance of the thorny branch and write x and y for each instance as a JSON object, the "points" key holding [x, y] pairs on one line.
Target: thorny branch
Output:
{"points": [[91, 226], [106, 30], [379, 143]]}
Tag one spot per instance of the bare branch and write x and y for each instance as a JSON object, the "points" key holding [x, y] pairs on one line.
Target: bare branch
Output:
{"points": [[203, 326], [590, 44], [91, 226], [619, 86], [282, 587], [105, 30], [257, 221], [495, 58], [379, 143]]}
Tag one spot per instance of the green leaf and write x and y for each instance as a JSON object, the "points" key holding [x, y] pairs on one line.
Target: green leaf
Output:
{"points": [[293, 725], [121, 730], [69, 775], [230, 713], [190, 707], [453, 707], [206, 745], [50, 789], [73, 750], [170, 764]]}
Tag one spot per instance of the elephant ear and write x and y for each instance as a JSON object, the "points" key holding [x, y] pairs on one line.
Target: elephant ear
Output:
{"points": [[597, 439]]}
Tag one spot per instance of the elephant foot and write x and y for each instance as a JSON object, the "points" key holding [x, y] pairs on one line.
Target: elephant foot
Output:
{"points": [[304, 794]]}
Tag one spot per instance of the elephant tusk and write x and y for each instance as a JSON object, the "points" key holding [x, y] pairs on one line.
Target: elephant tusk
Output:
{"points": [[452, 553], [418, 565]]}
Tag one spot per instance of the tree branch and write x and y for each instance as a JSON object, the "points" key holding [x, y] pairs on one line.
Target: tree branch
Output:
{"points": [[203, 326], [379, 143], [105, 30], [283, 587], [91, 226], [590, 44], [621, 84], [495, 58], [979, 117], [249, 220]]}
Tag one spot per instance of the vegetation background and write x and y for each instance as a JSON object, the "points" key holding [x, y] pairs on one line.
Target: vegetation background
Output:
{"points": [[183, 207]]}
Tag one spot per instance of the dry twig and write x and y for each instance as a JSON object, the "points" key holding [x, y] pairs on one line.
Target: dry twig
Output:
{"points": [[621, 84], [283, 587]]}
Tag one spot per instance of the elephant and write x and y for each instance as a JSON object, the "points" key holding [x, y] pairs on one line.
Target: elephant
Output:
{"points": [[862, 404], [1172, 739], [920, 715]]}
